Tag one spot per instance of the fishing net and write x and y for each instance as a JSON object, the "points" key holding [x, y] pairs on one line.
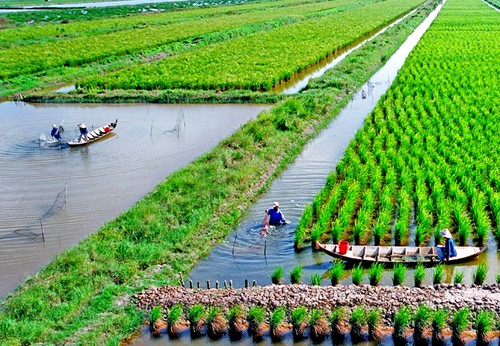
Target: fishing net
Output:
{"points": [[35, 231], [180, 124]]}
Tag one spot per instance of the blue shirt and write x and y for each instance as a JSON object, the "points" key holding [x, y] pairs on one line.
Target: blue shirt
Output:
{"points": [[55, 133], [275, 217]]}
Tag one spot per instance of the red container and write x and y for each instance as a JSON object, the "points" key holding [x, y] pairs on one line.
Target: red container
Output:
{"points": [[343, 246]]}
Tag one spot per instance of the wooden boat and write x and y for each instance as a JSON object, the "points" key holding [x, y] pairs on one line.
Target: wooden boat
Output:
{"points": [[95, 135], [389, 255]]}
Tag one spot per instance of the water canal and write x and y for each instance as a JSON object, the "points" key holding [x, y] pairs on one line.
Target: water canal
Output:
{"points": [[98, 181], [245, 255]]}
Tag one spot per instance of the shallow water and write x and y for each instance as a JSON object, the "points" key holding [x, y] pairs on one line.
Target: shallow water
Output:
{"points": [[102, 179]]}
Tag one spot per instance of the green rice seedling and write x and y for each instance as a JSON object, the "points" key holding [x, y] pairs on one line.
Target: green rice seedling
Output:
{"points": [[216, 322], [336, 272], [375, 273], [316, 279], [275, 322], [419, 275], [299, 321], [421, 320], [458, 278], [459, 322], [398, 275], [255, 317], [318, 325], [173, 318], [316, 234], [337, 320], [485, 320], [357, 320], [277, 275], [438, 324], [357, 274], [498, 279], [372, 320], [296, 275], [155, 314], [196, 315], [236, 322], [401, 322], [438, 274], [479, 276]]}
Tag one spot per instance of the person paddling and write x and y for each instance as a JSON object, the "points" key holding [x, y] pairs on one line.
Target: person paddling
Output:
{"points": [[55, 133]]}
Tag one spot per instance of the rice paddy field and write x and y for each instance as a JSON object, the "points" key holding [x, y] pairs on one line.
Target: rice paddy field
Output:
{"points": [[424, 160], [252, 46], [426, 157]]}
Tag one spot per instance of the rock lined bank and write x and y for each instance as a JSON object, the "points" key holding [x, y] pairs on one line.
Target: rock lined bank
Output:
{"points": [[388, 298]]}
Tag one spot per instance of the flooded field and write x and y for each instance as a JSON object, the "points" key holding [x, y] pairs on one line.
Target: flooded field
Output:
{"points": [[97, 181]]}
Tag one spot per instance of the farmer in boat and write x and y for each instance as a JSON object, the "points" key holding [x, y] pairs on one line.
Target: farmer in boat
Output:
{"points": [[83, 132], [55, 133], [448, 250]]}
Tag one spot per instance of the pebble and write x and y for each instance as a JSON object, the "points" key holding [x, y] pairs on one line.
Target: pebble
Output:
{"points": [[388, 298]]}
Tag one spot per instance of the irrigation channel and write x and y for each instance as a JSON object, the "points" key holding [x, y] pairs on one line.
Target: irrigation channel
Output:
{"points": [[245, 255], [72, 195]]}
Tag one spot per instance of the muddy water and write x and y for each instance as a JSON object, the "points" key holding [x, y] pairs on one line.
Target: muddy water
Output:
{"points": [[245, 255], [101, 179]]}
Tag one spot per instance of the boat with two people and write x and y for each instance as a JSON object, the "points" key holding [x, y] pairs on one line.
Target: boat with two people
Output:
{"points": [[94, 135]]}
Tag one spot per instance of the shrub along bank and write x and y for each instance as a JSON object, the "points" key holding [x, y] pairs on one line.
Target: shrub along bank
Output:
{"points": [[83, 296]]}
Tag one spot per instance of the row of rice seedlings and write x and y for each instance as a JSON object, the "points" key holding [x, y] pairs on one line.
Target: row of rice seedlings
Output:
{"points": [[320, 325], [256, 62], [127, 40], [343, 220]]}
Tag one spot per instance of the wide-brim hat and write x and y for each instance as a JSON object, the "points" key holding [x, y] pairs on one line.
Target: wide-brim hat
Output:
{"points": [[54, 126], [445, 233], [276, 204], [82, 126]]}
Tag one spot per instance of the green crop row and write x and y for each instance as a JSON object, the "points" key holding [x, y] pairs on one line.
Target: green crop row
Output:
{"points": [[429, 148], [256, 62], [75, 51], [60, 31]]}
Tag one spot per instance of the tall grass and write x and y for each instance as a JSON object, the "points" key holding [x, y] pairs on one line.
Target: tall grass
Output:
{"points": [[438, 323], [337, 320], [421, 320], [372, 320], [398, 274], [484, 323], [277, 275], [459, 322], [296, 275], [357, 320], [299, 320], [336, 272], [375, 273], [316, 279], [479, 276], [357, 274], [401, 322], [419, 275], [438, 274]]}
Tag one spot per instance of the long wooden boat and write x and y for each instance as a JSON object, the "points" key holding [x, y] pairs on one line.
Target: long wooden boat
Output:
{"points": [[95, 135], [389, 255]]}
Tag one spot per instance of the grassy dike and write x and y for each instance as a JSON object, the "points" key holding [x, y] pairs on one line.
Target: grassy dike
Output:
{"points": [[82, 297]]}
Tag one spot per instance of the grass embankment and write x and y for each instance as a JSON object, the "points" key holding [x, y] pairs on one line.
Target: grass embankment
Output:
{"points": [[425, 159], [48, 55], [82, 297]]}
